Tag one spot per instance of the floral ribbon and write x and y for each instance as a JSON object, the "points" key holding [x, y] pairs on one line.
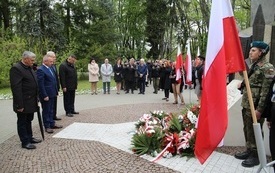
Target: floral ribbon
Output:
{"points": [[168, 138]]}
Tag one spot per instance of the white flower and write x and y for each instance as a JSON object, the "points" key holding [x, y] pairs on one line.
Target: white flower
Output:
{"points": [[150, 131], [146, 116], [155, 121], [192, 117]]}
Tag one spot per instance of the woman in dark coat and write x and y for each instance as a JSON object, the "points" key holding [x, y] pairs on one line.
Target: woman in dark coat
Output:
{"points": [[130, 71], [269, 114], [118, 68], [167, 80]]}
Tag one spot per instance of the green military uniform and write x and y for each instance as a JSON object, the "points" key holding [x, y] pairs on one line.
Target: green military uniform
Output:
{"points": [[260, 81]]}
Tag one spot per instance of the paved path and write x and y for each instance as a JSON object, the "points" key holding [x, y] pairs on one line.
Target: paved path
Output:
{"points": [[85, 144]]}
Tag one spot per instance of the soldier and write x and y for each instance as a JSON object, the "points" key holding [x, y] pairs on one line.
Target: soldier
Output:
{"points": [[260, 76]]}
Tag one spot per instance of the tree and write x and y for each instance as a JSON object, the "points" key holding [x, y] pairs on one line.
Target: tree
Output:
{"points": [[156, 17]]}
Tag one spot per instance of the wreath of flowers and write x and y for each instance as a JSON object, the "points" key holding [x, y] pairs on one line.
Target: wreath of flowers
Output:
{"points": [[163, 134]]}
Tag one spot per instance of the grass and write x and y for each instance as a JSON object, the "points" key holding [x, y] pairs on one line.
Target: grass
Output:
{"points": [[86, 85], [82, 85]]}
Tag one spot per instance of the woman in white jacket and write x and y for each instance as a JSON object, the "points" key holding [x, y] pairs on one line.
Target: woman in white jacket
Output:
{"points": [[93, 75]]}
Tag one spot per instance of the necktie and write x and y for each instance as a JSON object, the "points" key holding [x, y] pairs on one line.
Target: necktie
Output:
{"points": [[51, 71]]}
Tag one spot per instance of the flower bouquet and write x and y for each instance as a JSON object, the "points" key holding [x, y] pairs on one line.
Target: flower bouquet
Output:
{"points": [[163, 134]]}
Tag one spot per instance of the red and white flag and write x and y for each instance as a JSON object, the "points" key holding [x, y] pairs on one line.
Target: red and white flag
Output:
{"points": [[178, 64], [224, 55], [188, 64]]}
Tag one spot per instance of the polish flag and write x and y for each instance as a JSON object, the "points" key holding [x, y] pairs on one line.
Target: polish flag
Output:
{"points": [[178, 64], [188, 64], [224, 55]]}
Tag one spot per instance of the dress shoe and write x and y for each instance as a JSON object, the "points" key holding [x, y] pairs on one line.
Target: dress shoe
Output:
{"points": [[250, 162], [57, 119], [49, 130], [56, 127], [75, 112], [35, 141], [69, 115], [244, 155], [29, 146]]}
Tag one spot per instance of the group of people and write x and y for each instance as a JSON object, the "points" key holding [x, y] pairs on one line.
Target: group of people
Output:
{"points": [[127, 76], [131, 75], [31, 85]]}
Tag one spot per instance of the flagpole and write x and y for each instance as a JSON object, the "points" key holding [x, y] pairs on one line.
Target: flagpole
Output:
{"points": [[250, 100]]}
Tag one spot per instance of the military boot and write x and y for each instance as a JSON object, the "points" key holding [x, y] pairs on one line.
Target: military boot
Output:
{"points": [[252, 160], [243, 155]]}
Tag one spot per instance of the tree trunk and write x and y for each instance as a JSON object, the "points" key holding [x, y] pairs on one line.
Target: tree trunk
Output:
{"points": [[4, 6]]}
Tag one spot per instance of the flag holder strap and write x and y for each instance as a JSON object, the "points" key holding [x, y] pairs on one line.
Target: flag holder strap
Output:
{"points": [[257, 130], [261, 149]]}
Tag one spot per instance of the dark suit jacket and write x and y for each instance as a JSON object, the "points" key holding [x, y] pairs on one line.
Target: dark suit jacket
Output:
{"points": [[54, 69], [24, 88], [68, 76], [46, 82]]}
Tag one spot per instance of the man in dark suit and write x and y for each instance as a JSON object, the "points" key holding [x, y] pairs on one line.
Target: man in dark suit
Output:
{"points": [[54, 70], [25, 101], [68, 81], [47, 93]]}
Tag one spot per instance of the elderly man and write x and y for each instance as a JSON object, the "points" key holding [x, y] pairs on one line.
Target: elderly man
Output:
{"points": [[106, 70], [68, 81], [25, 98], [142, 72], [260, 75], [47, 93], [55, 72]]}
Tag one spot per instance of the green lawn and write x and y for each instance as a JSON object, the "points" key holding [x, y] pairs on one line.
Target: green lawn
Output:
{"points": [[82, 85]]}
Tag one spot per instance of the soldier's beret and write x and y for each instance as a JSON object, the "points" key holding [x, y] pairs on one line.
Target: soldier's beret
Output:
{"points": [[261, 45]]}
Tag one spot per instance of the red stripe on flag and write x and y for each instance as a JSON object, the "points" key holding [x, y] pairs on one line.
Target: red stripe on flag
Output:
{"points": [[213, 114], [234, 54]]}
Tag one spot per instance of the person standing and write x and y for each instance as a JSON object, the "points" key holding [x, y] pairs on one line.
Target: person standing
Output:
{"points": [[24, 89], [167, 80], [130, 71], [47, 93], [142, 72], [155, 76], [199, 63], [93, 75], [118, 68], [106, 70], [260, 76], [176, 85], [54, 70], [269, 114], [68, 81]]}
